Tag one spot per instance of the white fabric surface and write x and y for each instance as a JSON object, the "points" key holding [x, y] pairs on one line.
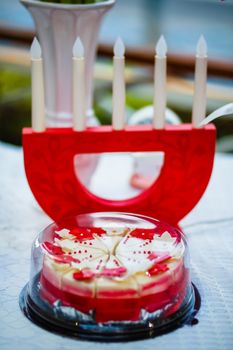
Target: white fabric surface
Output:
{"points": [[210, 232]]}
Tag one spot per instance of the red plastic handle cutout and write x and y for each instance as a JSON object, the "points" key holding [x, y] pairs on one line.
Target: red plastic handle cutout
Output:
{"points": [[189, 155]]}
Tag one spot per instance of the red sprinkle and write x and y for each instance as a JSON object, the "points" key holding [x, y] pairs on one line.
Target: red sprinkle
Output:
{"points": [[83, 275], [66, 259], [115, 272], [157, 268], [143, 233], [152, 256], [82, 234], [97, 230], [57, 236], [52, 249], [173, 232], [160, 257]]}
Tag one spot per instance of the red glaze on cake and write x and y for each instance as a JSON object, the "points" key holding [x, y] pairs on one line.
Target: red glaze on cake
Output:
{"points": [[115, 272]]}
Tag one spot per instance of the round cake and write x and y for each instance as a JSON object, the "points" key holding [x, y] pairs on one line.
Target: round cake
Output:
{"points": [[115, 267]]}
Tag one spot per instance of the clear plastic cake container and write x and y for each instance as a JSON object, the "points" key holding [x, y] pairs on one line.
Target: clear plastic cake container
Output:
{"points": [[109, 276]]}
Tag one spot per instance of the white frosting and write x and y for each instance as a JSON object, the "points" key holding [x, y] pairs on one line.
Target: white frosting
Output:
{"points": [[96, 264], [64, 233], [109, 242], [113, 249], [134, 265], [113, 262], [141, 249], [73, 245]]}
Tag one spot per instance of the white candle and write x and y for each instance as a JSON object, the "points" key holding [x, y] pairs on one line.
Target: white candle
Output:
{"points": [[79, 96], [38, 105], [199, 99], [118, 116], [160, 82]]}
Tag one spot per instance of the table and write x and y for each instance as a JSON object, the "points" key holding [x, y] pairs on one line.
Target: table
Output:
{"points": [[210, 232]]}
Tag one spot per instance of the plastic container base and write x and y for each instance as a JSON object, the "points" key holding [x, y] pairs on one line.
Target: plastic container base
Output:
{"points": [[109, 332]]}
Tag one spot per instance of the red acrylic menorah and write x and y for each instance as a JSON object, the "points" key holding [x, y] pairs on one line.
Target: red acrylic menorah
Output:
{"points": [[188, 161]]}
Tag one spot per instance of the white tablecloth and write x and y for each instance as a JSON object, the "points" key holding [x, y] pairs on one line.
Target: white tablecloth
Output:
{"points": [[210, 232]]}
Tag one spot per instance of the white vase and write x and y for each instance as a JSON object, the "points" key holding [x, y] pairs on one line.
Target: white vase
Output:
{"points": [[57, 26]]}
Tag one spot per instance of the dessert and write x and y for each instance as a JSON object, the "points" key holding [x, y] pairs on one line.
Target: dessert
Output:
{"points": [[117, 270]]}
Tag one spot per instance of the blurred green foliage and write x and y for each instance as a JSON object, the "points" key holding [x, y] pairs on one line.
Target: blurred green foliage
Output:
{"points": [[15, 104]]}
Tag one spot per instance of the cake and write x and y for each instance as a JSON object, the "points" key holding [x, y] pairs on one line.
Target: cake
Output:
{"points": [[115, 273]]}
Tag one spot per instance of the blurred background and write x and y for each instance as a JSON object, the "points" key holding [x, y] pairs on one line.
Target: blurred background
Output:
{"points": [[139, 23]]}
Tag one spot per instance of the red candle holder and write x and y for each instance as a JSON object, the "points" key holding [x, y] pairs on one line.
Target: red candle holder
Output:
{"points": [[188, 162]]}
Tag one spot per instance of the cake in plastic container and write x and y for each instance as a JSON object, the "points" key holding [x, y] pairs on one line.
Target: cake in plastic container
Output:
{"points": [[109, 268]]}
